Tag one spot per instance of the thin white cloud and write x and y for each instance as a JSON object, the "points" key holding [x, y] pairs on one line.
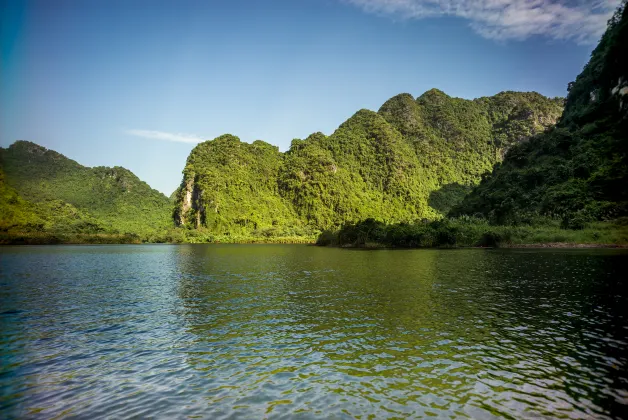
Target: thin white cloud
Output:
{"points": [[162, 135], [582, 21]]}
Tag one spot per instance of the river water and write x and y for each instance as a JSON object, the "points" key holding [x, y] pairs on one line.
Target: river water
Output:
{"points": [[291, 331]]}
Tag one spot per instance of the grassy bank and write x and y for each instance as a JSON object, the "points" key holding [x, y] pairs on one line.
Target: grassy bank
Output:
{"points": [[174, 236], [471, 232], [203, 236], [446, 233], [49, 238]]}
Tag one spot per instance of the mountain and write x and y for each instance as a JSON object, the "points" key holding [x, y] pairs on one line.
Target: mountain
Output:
{"points": [[14, 209], [413, 159], [42, 190], [578, 170], [232, 187]]}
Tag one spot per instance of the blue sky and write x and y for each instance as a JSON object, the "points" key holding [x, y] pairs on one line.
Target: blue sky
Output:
{"points": [[137, 83]]}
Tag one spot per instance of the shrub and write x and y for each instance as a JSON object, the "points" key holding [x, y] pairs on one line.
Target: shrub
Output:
{"points": [[490, 239], [327, 237]]}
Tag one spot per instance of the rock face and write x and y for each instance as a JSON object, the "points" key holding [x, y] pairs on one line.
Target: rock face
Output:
{"points": [[192, 205], [577, 171], [386, 165], [186, 203], [231, 187], [620, 91]]}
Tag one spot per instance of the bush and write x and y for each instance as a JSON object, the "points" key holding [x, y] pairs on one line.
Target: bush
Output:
{"points": [[576, 221], [327, 237], [490, 239]]}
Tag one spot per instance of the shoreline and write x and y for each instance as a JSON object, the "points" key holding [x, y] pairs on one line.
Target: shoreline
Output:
{"points": [[370, 246], [541, 245], [567, 245]]}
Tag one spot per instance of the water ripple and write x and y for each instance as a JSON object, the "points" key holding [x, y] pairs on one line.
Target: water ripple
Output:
{"points": [[303, 332]]}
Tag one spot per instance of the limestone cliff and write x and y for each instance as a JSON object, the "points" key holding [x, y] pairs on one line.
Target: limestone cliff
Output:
{"points": [[408, 161]]}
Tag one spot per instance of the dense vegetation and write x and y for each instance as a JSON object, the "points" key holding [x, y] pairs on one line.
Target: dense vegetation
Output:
{"points": [[15, 211], [230, 186], [469, 231], [566, 184], [412, 160], [386, 178], [48, 197], [577, 171]]}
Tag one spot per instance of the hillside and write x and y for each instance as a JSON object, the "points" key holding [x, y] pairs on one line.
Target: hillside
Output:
{"points": [[413, 159], [577, 171], [15, 211], [232, 187], [45, 191]]}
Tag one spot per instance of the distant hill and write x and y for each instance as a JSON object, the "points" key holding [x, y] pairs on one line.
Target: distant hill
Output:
{"points": [[413, 159], [14, 210], [577, 171], [43, 190]]}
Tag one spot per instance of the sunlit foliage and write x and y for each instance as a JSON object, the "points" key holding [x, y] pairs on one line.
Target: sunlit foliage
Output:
{"points": [[578, 171], [44, 191], [412, 160]]}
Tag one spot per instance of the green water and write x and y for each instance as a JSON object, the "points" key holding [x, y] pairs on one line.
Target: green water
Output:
{"points": [[255, 331]]}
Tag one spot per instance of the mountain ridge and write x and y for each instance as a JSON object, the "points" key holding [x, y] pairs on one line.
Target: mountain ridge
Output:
{"points": [[375, 164], [109, 199], [578, 170]]}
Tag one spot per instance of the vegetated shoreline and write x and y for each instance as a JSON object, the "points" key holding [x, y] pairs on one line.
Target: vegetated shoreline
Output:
{"points": [[463, 232], [372, 246], [567, 245], [37, 238], [545, 245], [104, 239]]}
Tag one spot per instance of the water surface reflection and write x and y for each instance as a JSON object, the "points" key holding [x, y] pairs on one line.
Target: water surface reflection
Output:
{"points": [[294, 331]]}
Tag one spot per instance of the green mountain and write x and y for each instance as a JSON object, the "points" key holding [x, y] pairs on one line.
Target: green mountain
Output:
{"points": [[15, 211], [232, 187], [577, 171], [44, 191], [413, 159]]}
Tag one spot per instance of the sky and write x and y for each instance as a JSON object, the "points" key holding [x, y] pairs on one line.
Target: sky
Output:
{"points": [[138, 83]]}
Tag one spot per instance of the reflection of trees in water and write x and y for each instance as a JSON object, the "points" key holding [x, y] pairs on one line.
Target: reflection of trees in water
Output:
{"points": [[470, 330], [556, 321], [320, 288], [352, 322]]}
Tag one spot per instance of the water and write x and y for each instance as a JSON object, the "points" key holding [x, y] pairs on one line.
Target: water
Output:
{"points": [[238, 331]]}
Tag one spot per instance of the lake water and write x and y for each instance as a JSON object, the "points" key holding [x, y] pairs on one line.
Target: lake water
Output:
{"points": [[289, 331]]}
